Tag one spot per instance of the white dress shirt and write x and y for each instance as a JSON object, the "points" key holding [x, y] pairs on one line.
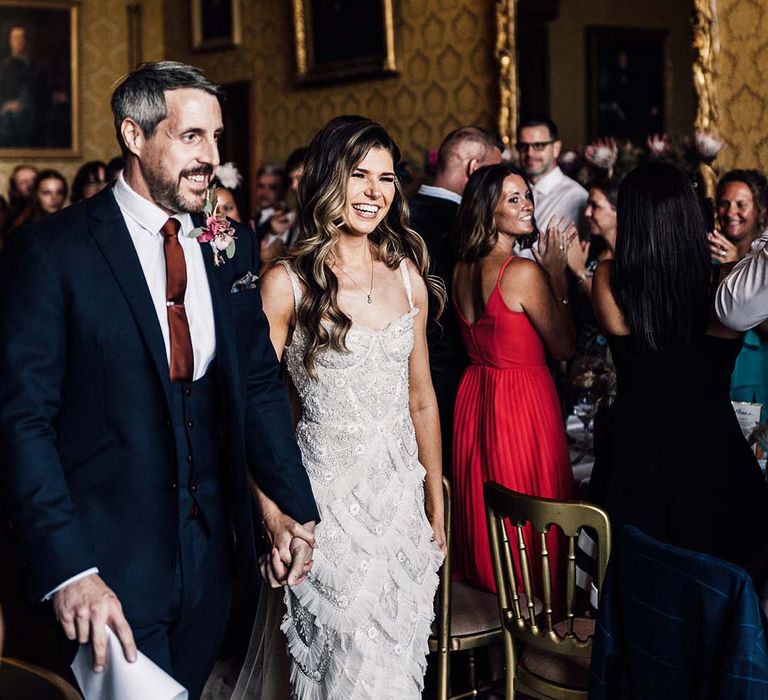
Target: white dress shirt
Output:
{"points": [[440, 193], [741, 302], [144, 221], [558, 195]]}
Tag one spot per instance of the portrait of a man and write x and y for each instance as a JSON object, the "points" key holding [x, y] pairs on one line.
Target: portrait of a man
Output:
{"points": [[37, 78]]}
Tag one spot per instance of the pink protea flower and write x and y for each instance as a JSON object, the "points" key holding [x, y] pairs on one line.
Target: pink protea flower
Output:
{"points": [[602, 154], [708, 145], [658, 145]]}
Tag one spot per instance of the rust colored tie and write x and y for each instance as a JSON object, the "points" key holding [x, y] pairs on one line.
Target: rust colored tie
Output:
{"points": [[182, 357]]}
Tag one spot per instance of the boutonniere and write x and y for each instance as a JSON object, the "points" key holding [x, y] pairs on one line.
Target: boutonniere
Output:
{"points": [[217, 230]]}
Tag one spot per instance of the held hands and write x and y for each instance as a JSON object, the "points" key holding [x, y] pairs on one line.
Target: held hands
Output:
{"points": [[553, 246], [290, 559], [722, 249], [83, 608]]}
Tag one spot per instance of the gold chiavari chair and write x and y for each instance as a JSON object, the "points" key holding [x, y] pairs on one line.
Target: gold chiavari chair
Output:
{"points": [[21, 681], [554, 663], [467, 619]]}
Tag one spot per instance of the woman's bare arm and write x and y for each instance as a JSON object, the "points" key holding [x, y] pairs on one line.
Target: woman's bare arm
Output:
{"points": [[424, 413]]}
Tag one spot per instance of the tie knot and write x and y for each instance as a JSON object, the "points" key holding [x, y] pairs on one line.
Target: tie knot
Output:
{"points": [[171, 228]]}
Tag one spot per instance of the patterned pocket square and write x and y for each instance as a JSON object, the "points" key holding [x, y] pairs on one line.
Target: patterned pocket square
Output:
{"points": [[246, 282]]}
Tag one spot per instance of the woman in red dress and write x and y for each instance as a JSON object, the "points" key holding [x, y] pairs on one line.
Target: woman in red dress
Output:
{"points": [[507, 426]]}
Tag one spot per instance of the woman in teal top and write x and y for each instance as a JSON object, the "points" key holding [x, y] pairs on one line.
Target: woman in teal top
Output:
{"points": [[742, 211]]}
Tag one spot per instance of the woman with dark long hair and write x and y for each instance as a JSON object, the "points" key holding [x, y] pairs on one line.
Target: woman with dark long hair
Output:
{"points": [[507, 423], [674, 461], [347, 310]]}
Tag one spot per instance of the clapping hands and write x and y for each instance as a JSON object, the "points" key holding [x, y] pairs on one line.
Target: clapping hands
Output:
{"points": [[553, 245]]}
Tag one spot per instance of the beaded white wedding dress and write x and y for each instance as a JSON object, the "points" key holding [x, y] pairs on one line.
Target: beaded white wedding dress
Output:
{"points": [[358, 626]]}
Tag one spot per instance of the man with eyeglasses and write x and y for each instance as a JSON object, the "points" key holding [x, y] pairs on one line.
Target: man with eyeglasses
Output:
{"points": [[554, 193]]}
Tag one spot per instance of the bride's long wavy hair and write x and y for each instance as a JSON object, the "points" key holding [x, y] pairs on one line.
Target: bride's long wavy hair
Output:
{"points": [[333, 154]]}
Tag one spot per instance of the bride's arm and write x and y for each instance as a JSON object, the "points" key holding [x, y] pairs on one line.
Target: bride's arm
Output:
{"points": [[282, 531], [277, 302], [424, 413]]}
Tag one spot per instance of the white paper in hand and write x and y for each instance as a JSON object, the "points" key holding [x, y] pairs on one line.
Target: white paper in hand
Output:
{"points": [[121, 680]]}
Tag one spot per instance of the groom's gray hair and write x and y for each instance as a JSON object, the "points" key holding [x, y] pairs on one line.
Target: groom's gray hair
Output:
{"points": [[141, 96]]}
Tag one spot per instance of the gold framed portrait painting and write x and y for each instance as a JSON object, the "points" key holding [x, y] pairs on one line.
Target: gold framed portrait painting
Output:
{"points": [[38, 78], [339, 40], [215, 24]]}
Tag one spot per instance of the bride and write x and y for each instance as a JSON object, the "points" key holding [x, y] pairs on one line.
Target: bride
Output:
{"points": [[348, 311]]}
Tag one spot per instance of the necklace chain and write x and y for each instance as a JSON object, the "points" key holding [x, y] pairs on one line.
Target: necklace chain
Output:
{"points": [[369, 293]]}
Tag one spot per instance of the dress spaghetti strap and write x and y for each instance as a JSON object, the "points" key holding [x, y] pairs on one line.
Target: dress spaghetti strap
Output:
{"points": [[406, 275], [294, 283]]}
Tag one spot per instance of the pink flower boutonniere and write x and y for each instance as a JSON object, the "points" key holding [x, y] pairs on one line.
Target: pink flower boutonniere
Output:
{"points": [[217, 230]]}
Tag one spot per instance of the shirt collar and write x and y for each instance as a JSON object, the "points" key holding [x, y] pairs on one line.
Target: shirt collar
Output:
{"points": [[550, 181], [440, 193], [145, 213]]}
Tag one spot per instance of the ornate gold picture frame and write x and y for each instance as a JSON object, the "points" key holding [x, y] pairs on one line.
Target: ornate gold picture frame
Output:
{"points": [[343, 40], [706, 48], [39, 114], [216, 24]]}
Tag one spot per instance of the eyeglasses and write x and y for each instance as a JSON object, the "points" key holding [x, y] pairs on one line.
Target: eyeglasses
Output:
{"points": [[537, 146]]}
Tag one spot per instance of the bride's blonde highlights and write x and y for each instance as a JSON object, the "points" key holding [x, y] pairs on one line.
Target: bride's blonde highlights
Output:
{"points": [[333, 154]]}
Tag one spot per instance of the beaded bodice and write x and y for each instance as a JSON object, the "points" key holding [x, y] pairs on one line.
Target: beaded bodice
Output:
{"points": [[357, 398]]}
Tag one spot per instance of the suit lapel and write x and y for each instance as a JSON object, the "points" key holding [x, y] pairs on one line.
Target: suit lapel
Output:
{"points": [[111, 234]]}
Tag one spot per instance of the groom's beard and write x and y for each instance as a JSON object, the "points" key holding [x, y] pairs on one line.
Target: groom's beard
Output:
{"points": [[167, 191]]}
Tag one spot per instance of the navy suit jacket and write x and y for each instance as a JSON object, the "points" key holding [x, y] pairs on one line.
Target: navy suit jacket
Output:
{"points": [[88, 452], [676, 624]]}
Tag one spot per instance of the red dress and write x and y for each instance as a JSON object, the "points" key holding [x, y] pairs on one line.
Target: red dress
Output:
{"points": [[507, 428]]}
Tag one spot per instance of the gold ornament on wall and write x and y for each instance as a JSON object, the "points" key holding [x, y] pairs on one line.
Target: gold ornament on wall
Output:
{"points": [[506, 58]]}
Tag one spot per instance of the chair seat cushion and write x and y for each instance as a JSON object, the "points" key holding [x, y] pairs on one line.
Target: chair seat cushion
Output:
{"points": [[571, 671], [475, 611]]}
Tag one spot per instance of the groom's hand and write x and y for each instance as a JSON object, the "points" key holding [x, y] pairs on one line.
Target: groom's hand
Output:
{"points": [[83, 608], [289, 540]]}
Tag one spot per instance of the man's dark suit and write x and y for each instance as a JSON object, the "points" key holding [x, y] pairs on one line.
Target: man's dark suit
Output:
{"points": [[93, 431], [434, 219]]}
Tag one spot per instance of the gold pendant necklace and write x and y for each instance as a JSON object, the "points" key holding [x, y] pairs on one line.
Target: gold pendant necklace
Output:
{"points": [[369, 293]]}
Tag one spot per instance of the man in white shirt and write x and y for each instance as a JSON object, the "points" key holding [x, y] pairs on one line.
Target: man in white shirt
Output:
{"points": [[140, 388], [554, 193], [741, 302]]}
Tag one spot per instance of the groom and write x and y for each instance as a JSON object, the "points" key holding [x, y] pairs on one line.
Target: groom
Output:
{"points": [[139, 387]]}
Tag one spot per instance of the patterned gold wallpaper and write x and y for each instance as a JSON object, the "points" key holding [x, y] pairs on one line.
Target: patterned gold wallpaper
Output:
{"points": [[742, 84], [444, 54]]}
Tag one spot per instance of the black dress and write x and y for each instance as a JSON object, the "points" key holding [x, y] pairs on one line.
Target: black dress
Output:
{"points": [[673, 460]]}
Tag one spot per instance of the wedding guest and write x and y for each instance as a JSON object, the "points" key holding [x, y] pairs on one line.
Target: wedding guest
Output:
{"points": [[600, 215], [556, 194], [49, 193], [20, 186], [674, 461], [294, 168], [433, 217], [139, 392], [741, 201], [279, 232], [347, 309], [512, 311], [227, 180], [270, 189], [89, 180]]}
